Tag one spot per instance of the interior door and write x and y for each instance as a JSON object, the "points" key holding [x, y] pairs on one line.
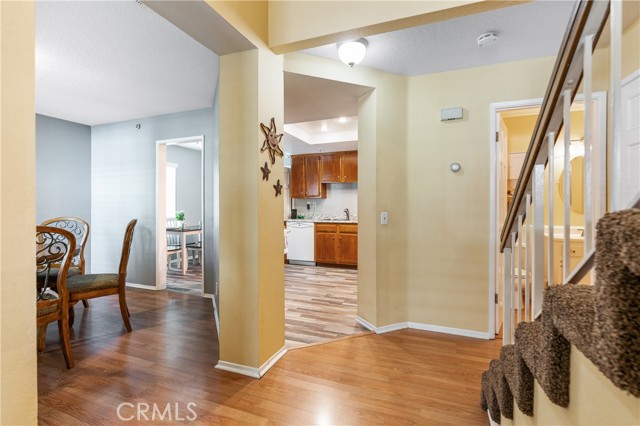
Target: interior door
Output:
{"points": [[501, 209], [630, 149]]}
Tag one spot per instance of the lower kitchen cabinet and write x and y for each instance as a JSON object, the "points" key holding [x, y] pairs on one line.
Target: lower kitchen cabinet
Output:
{"points": [[336, 243]]}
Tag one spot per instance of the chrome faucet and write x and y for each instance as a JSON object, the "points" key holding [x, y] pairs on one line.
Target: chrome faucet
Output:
{"points": [[346, 211]]}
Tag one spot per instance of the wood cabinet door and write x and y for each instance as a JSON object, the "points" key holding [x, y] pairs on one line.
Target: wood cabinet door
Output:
{"points": [[297, 178], [350, 166], [312, 176], [348, 249], [331, 168], [326, 247]]}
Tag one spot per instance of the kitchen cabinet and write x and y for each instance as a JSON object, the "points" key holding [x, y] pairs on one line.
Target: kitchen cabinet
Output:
{"points": [[340, 167], [336, 243], [305, 177]]}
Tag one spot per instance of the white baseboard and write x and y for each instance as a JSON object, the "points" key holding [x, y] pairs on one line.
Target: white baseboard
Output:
{"points": [[425, 327], [272, 361], [142, 286], [366, 324], [450, 330], [239, 369], [256, 373], [216, 316]]}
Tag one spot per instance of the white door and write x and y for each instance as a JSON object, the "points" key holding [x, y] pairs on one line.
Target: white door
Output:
{"points": [[630, 150], [501, 208]]}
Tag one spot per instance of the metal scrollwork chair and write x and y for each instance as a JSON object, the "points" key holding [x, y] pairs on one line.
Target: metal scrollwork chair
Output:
{"points": [[80, 229], [89, 286], [54, 250]]}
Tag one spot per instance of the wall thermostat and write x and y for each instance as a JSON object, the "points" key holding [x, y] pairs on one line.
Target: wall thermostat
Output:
{"points": [[448, 114]]}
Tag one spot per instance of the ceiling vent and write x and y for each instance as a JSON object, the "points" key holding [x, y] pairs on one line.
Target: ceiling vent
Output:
{"points": [[487, 39]]}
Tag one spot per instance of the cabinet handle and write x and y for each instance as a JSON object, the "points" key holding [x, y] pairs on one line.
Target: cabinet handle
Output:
{"points": [[333, 238], [340, 237]]}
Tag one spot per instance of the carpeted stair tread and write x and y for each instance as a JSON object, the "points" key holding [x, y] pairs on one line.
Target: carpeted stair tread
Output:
{"points": [[501, 389], [572, 308], [547, 354], [617, 332], [490, 397], [519, 378]]}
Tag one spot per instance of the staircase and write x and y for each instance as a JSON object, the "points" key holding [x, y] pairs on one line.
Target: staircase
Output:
{"points": [[601, 321], [590, 331]]}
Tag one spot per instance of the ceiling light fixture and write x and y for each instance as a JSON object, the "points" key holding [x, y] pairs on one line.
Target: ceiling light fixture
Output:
{"points": [[342, 119], [352, 52]]}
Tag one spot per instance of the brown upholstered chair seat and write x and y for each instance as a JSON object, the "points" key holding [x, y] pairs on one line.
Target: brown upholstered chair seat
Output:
{"points": [[46, 310], [53, 275], [91, 282]]}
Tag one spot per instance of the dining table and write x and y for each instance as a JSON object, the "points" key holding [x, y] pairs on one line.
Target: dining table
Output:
{"points": [[183, 232]]}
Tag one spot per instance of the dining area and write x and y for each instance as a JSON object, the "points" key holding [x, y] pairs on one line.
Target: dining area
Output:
{"points": [[62, 281]]}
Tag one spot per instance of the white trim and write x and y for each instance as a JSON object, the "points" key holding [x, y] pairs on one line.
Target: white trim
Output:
{"points": [[272, 361], [256, 373], [215, 314], [450, 330], [238, 369], [392, 327], [366, 324], [142, 286], [628, 79]]}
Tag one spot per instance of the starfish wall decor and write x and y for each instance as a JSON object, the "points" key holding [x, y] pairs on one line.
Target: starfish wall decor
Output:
{"points": [[271, 141], [278, 188], [265, 171]]}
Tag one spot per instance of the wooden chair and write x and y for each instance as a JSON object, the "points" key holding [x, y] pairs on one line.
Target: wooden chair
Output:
{"points": [[80, 230], [54, 250], [174, 247], [89, 286]]}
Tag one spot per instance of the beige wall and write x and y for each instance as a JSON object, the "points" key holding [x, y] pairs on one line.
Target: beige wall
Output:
{"points": [[448, 245], [296, 25], [18, 393], [594, 400], [251, 227]]}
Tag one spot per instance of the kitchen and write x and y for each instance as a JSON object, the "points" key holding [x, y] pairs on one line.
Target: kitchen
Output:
{"points": [[321, 209]]}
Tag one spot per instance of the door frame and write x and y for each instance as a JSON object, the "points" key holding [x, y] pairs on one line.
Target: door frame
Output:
{"points": [[600, 109], [161, 214]]}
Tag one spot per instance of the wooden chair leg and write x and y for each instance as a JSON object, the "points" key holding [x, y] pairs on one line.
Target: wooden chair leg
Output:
{"points": [[72, 315], [42, 332], [124, 310], [63, 328], [85, 303]]}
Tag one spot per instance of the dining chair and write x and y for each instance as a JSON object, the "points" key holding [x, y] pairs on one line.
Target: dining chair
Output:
{"points": [[174, 246], [90, 286], [80, 230], [54, 249], [195, 247]]}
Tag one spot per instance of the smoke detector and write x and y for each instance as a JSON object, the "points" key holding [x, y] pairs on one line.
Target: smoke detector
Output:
{"points": [[487, 39]]}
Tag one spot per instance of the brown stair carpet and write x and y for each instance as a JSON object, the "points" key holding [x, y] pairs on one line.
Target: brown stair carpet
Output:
{"points": [[501, 389], [602, 321], [617, 325], [519, 378]]}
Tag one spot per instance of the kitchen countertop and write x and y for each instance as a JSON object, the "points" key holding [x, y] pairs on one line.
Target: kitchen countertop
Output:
{"points": [[324, 220]]}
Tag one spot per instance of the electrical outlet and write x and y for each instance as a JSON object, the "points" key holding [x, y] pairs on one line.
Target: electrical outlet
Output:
{"points": [[308, 205], [314, 205]]}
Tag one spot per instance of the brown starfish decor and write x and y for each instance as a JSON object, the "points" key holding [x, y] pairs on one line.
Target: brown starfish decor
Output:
{"points": [[265, 171], [271, 141], [278, 188]]}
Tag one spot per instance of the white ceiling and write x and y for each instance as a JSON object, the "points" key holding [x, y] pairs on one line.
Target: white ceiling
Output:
{"points": [[525, 31], [109, 61]]}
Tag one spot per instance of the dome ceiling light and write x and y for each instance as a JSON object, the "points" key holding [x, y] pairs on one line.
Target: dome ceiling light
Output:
{"points": [[352, 52]]}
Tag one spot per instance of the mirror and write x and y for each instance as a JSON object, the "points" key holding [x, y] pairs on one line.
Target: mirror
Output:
{"points": [[577, 185]]}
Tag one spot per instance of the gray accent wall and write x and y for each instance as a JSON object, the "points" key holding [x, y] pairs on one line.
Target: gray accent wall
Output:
{"points": [[123, 161], [63, 172], [212, 207], [188, 181]]}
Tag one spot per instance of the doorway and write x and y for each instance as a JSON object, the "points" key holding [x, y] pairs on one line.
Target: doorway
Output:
{"points": [[512, 124], [180, 194]]}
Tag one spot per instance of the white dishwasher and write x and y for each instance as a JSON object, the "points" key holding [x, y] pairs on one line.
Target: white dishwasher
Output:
{"points": [[301, 243]]}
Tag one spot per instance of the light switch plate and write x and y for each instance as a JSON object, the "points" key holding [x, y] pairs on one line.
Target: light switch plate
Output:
{"points": [[384, 218]]}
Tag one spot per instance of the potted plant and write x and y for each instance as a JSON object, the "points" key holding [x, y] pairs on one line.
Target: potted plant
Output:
{"points": [[180, 218]]}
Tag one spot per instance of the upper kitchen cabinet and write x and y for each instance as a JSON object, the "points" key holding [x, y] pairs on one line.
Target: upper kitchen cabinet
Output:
{"points": [[340, 167], [305, 177]]}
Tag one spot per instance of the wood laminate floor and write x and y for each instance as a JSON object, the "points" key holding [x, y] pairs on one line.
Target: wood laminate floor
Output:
{"points": [[320, 304], [189, 283], [407, 377]]}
